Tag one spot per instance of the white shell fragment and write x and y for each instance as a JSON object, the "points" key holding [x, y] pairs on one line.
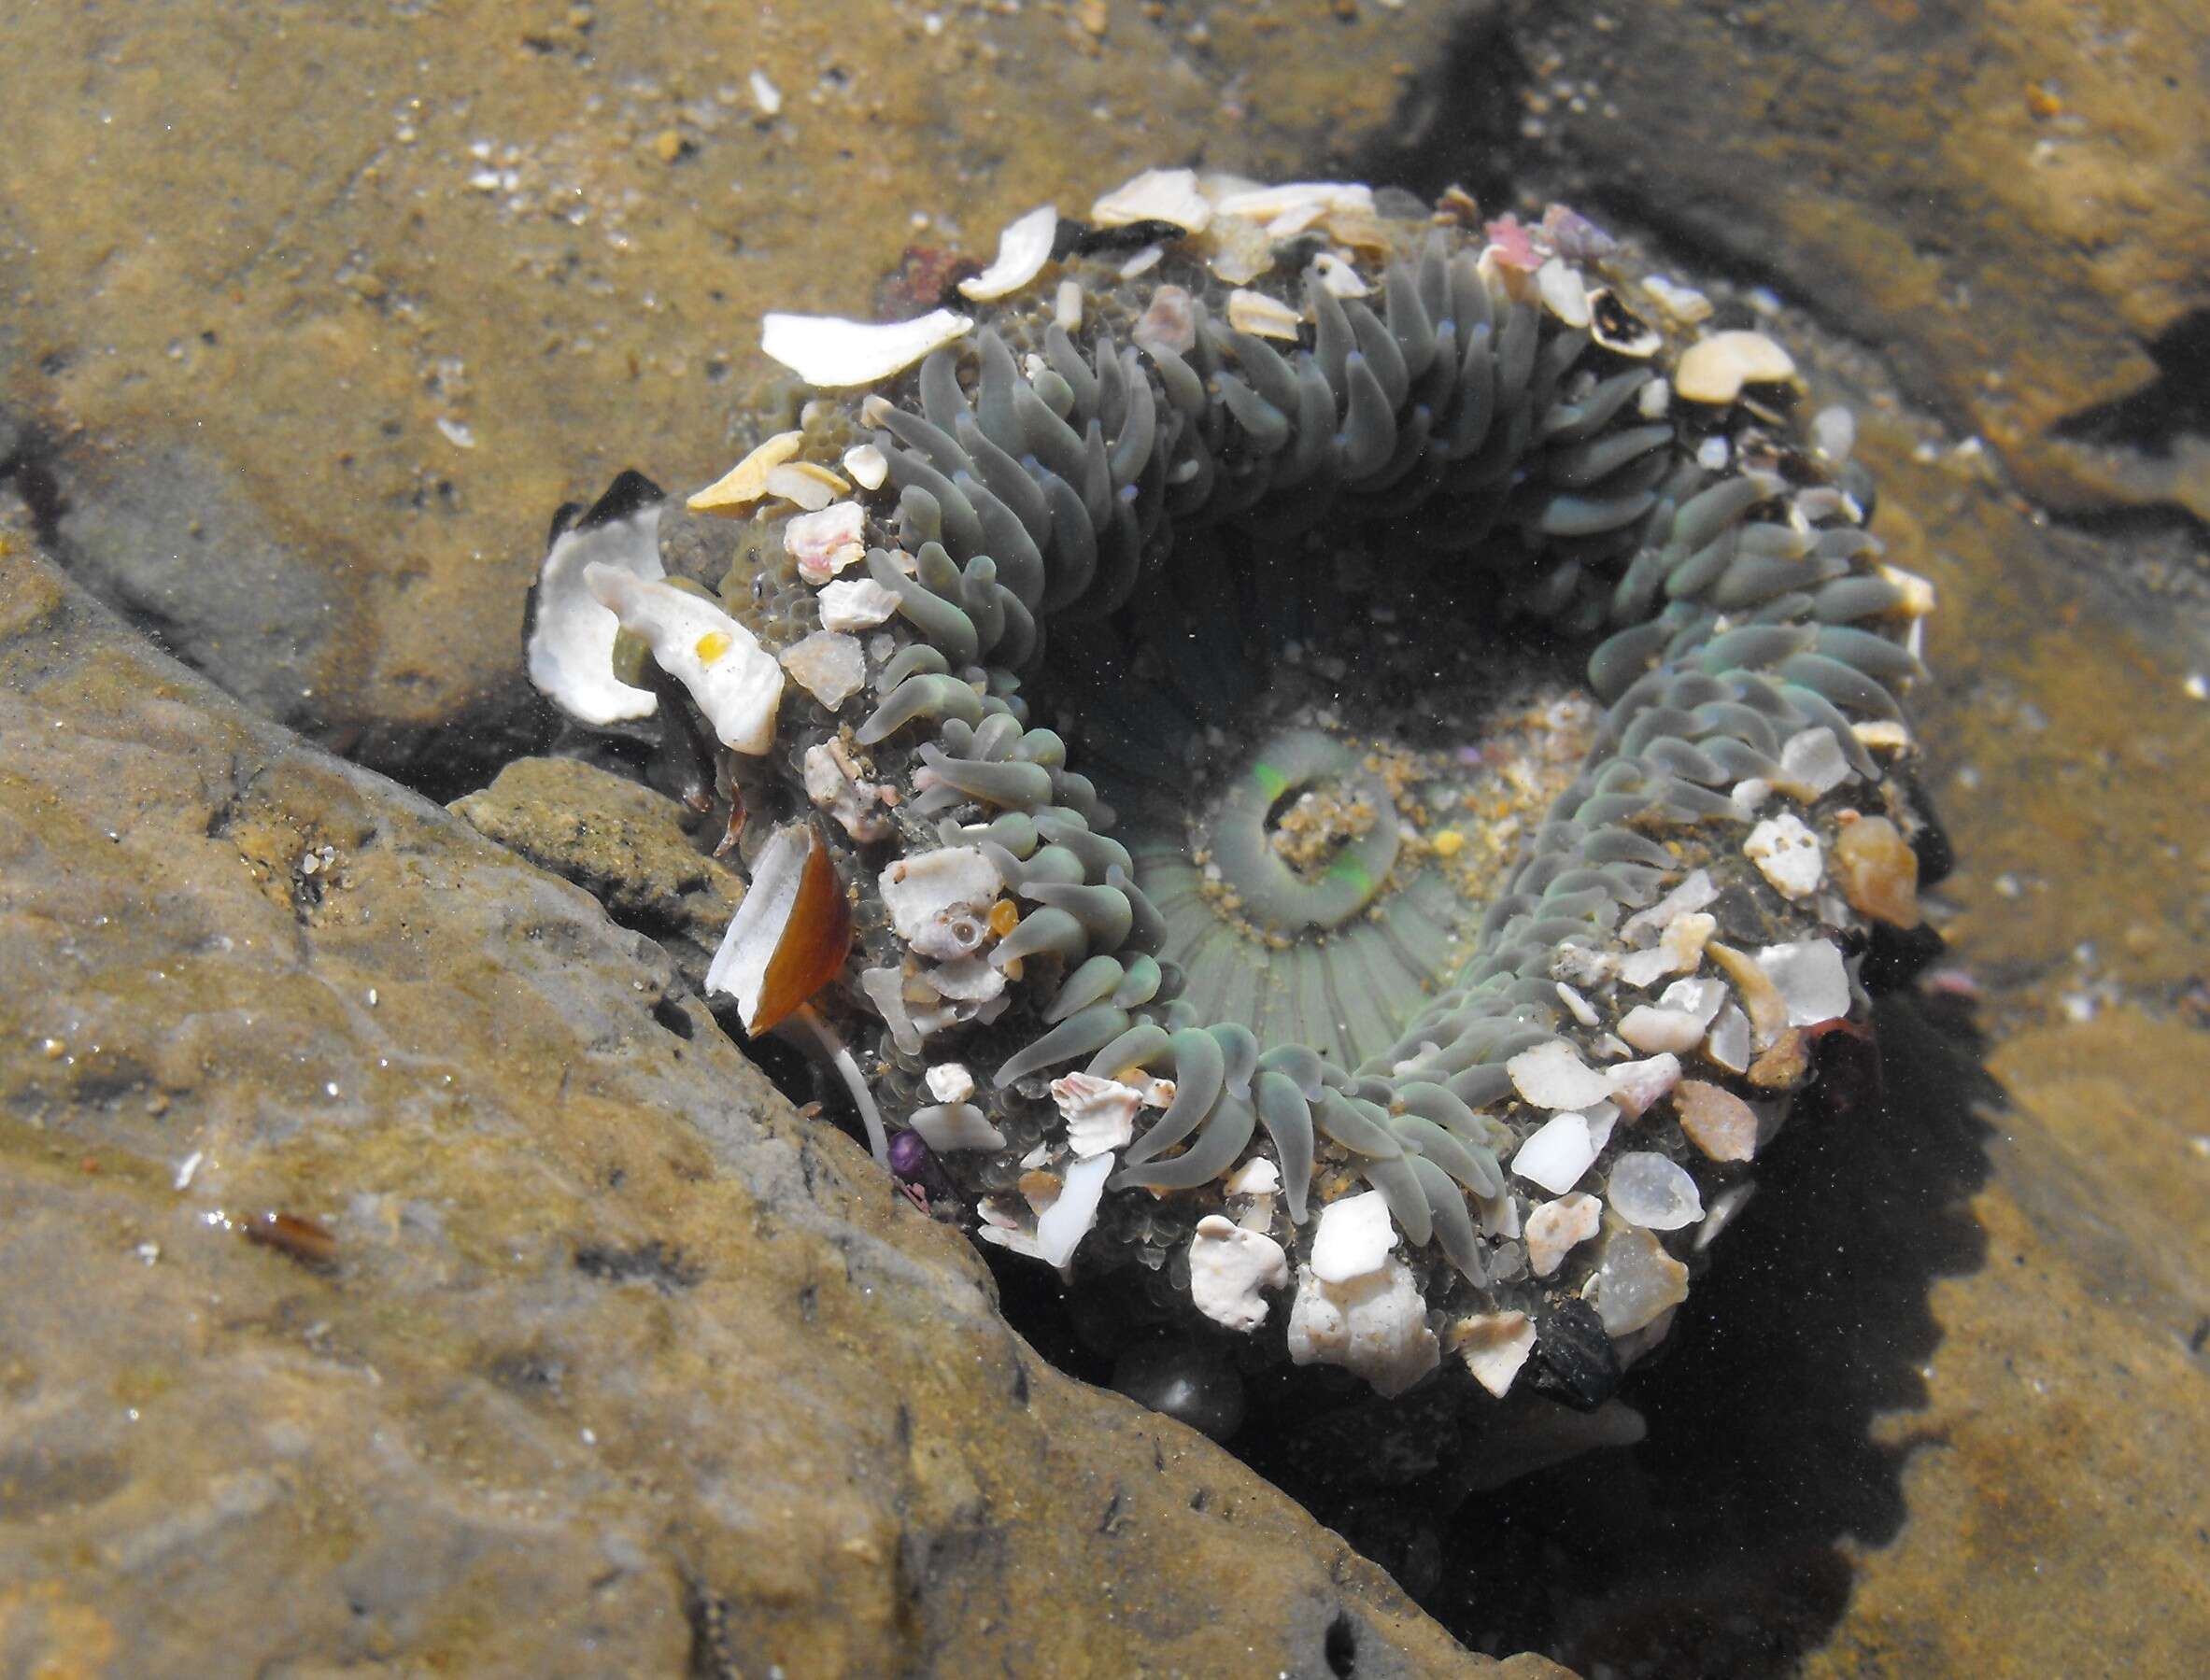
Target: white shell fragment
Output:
{"points": [[949, 1083], [1557, 1154], [1228, 1266], [857, 603], [1354, 1238], [1256, 1177], [1636, 1281], [833, 783], [1262, 317], [829, 665], [1554, 1227], [1692, 893], [807, 485], [868, 465], [956, 1126], [1679, 950], [1636, 1085], [937, 900], [828, 350], [570, 651], [735, 681], [740, 964], [1649, 1190], [1340, 278], [747, 481], [1495, 1345], [1156, 195], [1715, 369], [1788, 854], [1661, 1030], [824, 541], [1375, 1326], [1023, 250], [1811, 978], [1562, 293], [1101, 1114], [1061, 1227], [1553, 1076], [1268, 204]]}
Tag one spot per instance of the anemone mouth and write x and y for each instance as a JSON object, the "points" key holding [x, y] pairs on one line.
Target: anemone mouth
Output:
{"points": [[1290, 580], [1322, 784]]}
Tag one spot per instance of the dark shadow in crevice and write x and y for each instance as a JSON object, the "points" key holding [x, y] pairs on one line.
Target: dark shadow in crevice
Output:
{"points": [[1717, 1545], [2175, 404]]}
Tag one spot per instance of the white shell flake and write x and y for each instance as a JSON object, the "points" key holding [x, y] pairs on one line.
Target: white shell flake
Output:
{"points": [[949, 1083], [828, 665], [828, 350], [1228, 1266], [735, 681], [1156, 195], [1715, 369], [956, 1126], [1649, 1189], [1692, 893], [1262, 317], [826, 541], [1557, 1154], [570, 651], [868, 465], [1553, 1076], [1101, 1114], [1023, 248], [857, 603], [1061, 1227], [1375, 1325], [1554, 1227], [833, 783], [1495, 1346], [1788, 854], [740, 963], [1256, 1177], [1562, 293], [1354, 1238], [931, 898]]}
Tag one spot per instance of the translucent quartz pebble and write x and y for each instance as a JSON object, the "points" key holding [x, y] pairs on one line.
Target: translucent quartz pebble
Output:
{"points": [[1635, 1281], [1811, 978], [1649, 1190]]}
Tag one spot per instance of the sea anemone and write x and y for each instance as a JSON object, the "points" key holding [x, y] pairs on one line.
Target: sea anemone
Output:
{"points": [[1466, 721]]}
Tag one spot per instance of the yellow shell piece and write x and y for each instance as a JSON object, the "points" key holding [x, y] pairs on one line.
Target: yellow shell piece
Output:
{"points": [[1449, 842], [1004, 917], [747, 481], [711, 646]]}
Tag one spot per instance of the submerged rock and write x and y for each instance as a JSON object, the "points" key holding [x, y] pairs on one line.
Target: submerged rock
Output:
{"points": [[400, 1273]]}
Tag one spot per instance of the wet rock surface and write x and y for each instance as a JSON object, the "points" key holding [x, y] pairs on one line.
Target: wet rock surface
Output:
{"points": [[442, 274], [2010, 196], [399, 1272], [622, 844]]}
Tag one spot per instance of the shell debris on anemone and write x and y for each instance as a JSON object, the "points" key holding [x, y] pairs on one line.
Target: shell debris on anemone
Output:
{"points": [[1315, 718]]}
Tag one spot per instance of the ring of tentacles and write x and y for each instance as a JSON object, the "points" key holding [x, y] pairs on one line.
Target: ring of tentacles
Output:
{"points": [[1437, 666]]}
